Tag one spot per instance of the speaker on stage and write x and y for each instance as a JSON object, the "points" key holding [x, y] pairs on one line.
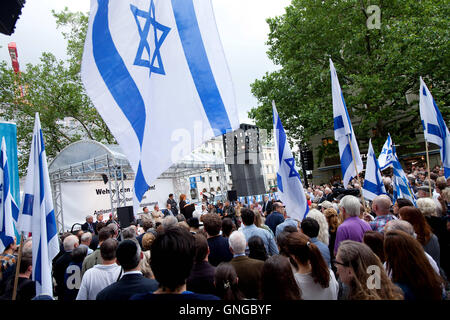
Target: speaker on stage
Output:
{"points": [[125, 215], [232, 195]]}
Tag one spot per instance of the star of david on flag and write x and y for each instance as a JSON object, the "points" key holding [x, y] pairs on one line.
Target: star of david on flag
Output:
{"points": [[386, 157], [290, 188], [156, 72]]}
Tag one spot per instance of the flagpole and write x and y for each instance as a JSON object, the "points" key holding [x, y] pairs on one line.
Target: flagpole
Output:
{"points": [[428, 167], [19, 259], [357, 174]]}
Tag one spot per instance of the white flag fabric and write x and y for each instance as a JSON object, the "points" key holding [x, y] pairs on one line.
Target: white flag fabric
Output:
{"points": [[37, 215], [434, 127], [290, 188], [373, 183], [386, 158], [156, 72], [7, 233], [343, 132]]}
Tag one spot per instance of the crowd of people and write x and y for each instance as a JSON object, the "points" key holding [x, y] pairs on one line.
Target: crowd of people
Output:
{"points": [[345, 249]]}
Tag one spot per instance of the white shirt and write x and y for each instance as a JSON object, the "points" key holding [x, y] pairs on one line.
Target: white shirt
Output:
{"points": [[96, 279], [314, 291]]}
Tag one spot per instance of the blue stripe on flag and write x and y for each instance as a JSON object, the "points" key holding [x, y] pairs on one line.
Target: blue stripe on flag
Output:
{"points": [[28, 204], [115, 74], [198, 62], [38, 265], [346, 159], [279, 183], [338, 123], [50, 222], [434, 130], [281, 139], [372, 187], [41, 179]]}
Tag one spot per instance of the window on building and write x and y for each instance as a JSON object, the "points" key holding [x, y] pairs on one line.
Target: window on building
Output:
{"points": [[210, 179], [217, 178]]}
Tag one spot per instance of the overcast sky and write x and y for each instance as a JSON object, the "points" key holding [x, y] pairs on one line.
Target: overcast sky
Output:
{"points": [[241, 23]]}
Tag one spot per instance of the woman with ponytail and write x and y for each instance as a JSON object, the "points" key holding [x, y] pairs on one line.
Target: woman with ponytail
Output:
{"points": [[226, 282], [315, 280]]}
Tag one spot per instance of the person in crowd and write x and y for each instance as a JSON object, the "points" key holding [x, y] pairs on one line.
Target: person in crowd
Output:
{"points": [[310, 227], [85, 241], [101, 275], [194, 225], [226, 283], [238, 214], [95, 258], [276, 217], [267, 206], [288, 221], [157, 215], [183, 207], [114, 229], [99, 219], [132, 281], [72, 275], [183, 224], [211, 208], [168, 210], [314, 278], [89, 224], [94, 242], [248, 270], [381, 207], [325, 205], [409, 267], [257, 249], [218, 245], [323, 235], [423, 231], [431, 210], [173, 204], [145, 215], [172, 248], [60, 265], [407, 227], [259, 222], [201, 279], [353, 259], [7, 257], [170, 221], [180, 217], [146, 226], [129, 233], [352, 228], [400, 203], [277, 280], [229, 211], [26, 288], [147, 241], [375, 241], [228, 227], [249, 229], [333, 223]]}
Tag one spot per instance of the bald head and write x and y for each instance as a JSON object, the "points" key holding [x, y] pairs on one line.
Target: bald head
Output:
{"points": [[381, 205]]}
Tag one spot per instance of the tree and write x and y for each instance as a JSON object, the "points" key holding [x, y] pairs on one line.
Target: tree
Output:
{"points": [[377, 68], [54, 89]]}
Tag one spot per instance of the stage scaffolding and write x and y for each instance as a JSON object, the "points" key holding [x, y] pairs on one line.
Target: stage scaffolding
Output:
{"points": [[89, 160]]}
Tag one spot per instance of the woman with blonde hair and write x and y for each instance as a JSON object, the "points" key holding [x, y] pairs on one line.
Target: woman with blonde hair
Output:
{"points": [[353, 260], [324, 235], [333, 223], [259, 221], [147, 241]]}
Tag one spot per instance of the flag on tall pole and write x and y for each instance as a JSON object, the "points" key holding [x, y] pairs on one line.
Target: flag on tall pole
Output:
{"points": [[290, 188], [386, 157], [434, 127], [7, 203], [373, 183], [37, 215], [157, 74], [343, 132], [402, 188]]}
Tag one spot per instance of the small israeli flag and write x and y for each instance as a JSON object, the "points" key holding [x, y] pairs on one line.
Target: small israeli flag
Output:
{"points": [[37, 215], [434, 127], [157, 74], [402, 188], [386, 157], [373, 183], [7, 204], [343, 132], [290, 188]]}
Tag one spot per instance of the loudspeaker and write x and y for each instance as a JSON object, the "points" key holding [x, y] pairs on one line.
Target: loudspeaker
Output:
{"points": [[307, 159], [125, 215], [232, 195]]}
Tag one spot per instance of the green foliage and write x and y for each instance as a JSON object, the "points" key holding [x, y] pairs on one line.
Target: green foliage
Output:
{"points": [[376, 67], [54, 89]]}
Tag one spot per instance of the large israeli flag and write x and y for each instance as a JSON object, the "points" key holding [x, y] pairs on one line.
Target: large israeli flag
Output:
{"points": [[37, 215], [434, 127], [156, 72], [290, 188], [7, 232], [343, 132], [373, 183], [386, 157], [402, 188]]}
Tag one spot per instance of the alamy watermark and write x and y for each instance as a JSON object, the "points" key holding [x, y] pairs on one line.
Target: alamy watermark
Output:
{"points": [[374, 17]]}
